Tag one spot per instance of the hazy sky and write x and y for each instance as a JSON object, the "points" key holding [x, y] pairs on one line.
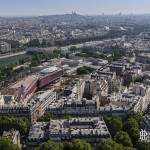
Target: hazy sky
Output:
{"points": [[47, 7]]}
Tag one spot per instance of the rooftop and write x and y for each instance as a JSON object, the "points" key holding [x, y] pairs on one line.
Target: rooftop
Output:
{"points": [[49, 70], [26, 82]]}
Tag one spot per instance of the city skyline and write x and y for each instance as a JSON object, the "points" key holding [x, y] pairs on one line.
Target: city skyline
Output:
{"points": [[90, 7]]}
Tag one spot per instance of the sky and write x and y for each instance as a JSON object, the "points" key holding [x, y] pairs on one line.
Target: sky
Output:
{"points": [[90, 7]]}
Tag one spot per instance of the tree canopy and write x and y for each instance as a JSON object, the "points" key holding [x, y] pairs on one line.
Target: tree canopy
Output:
{"points": [[50, 145], [81, 145], [7, 123], [108, 144], [114, 124], [131, 126], [7, 144], [123, 138], [74, 145], [143, 145], [84, 70]]}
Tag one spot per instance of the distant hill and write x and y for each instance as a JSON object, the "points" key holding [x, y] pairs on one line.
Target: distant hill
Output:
{"points": [[75, 18], [71, 18]]}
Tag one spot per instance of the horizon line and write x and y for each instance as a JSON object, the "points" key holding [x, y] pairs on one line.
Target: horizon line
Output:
{"points": [[102, 14]]}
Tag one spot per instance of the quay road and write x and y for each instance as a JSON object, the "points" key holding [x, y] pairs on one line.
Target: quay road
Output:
{"points": [[12, 54]]}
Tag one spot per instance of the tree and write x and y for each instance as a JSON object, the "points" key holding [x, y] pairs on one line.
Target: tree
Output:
{"points": [[68, 146], [117, 52], [34, 43], [74, 145], [44, 43], [136, 116], [134, 134], [130, 123], [73, 49], [7, 123], [84, 70], [47, 116], [123, 138], [143, 145], [56, 53], [67, 55], [36, 60], [114, 124], [7, 144], [108, 144], [50, 145], [81, 145], [131, 126], [81, 71]]}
